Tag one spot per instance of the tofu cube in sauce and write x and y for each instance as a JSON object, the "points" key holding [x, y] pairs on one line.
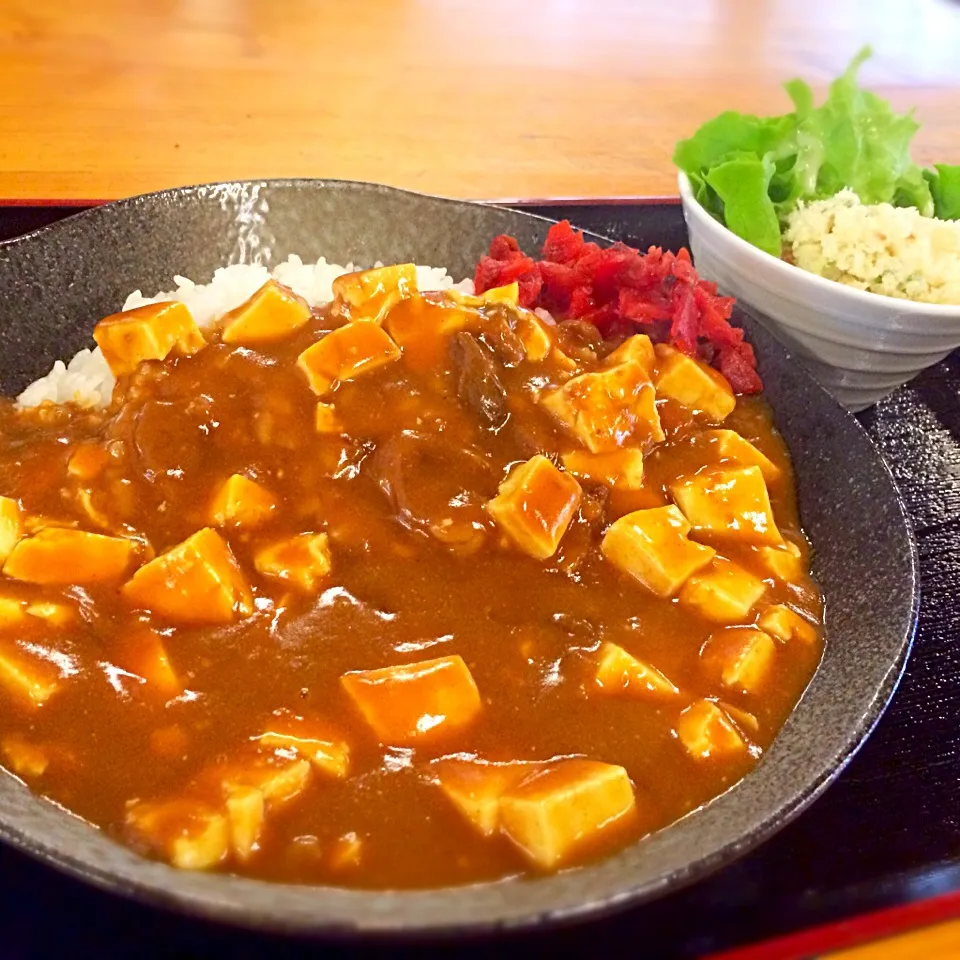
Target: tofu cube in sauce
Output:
{"points": [[272, 313], [150, 332], [370, 294], [620, 673], [302, 561], [475, 788], [729, 504], [348, 352], [11, 526], [741, 657], [652, 546], [534, 506], [608, 409], [693, 384], [61, 555], [707, 732], [553, 814], [197, 581], [242, 502], [723, 592], [415, 703]]}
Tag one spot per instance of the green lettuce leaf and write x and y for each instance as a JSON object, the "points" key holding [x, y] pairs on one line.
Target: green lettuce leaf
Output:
{"points": [[853, 140], [945, 189], [751, 172], [743, 185]]}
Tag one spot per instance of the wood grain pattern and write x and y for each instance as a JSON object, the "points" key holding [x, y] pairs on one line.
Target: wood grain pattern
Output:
{"points": [[495, 99]]}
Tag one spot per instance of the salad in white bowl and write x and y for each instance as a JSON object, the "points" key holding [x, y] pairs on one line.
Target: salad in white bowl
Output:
{"points": [[821, 220]]}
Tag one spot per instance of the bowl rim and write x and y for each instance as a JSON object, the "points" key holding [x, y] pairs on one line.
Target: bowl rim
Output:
{"points": [[239, 900], [938, 311]]}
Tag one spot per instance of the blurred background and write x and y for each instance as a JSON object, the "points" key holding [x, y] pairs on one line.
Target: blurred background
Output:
{"points": [[492, 99]]}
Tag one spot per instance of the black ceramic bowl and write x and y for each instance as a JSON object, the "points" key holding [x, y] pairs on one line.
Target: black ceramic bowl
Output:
{"points": [[54, 284]]}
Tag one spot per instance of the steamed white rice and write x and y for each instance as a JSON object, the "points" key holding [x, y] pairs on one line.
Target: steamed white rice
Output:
{"points": [[86, 379]]}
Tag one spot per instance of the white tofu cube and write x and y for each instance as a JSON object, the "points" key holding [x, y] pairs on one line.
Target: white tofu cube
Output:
{"points": [[609, 408], [693, 384], [619, 469], [723, 592], [783, 562], [534, 506], [556, 813], [706, 732], [475, 788], [11, 526], [740, 657], [730, 504], [635, 349], [618, 672], [303, 560], [652, 546], [245, 814], [729, 445], [192, 835], [786, 625]]}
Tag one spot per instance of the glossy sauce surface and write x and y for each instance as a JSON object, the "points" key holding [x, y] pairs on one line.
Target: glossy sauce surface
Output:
{"points": [[419, 571]]}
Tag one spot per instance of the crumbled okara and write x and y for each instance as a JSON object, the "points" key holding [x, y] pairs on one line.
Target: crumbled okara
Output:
{"points": [[729, 445], [11, 526], [786, 625], [619, 469], [475, 787], [635, 349], [608, 409], [556, 813], [150, 332], [25, 759], [534, 506], [692, 384], [783, 562], [652, 546], [245, 814], [31, 682], [242, 502], [723, 592], [67, 556], [197, 581], [190, 834], [370, 294], [328, 753], [272, 313], [415, 703], [619, 672], [706, 732], [303, 560], [729, 504], [741, 657], [350, 351]]}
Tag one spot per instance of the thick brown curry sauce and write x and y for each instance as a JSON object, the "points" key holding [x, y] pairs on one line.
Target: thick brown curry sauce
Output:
{"points": [[149, 710]]}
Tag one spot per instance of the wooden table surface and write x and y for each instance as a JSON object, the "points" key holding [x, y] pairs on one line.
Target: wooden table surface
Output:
{"points": [[469, 98]]}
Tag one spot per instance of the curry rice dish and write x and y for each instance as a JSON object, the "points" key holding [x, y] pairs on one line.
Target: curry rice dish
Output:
{"points": [[405, 590]]}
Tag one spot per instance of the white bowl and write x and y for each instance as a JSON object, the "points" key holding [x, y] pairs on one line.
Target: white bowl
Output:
{"points": [[860, 346]]}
